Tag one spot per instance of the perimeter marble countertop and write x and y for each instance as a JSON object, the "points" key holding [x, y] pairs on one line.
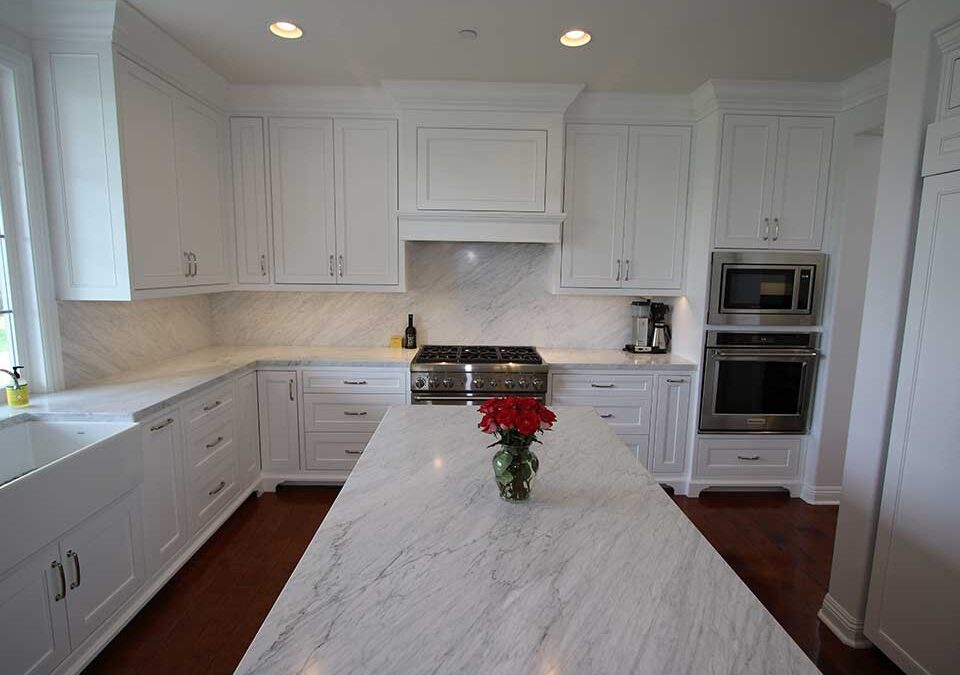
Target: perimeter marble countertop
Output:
{"points": [[420, 568], [140, 394]]}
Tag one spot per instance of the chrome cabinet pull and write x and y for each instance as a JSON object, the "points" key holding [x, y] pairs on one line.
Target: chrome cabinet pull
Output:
{"points": [[766, 229], [607, 416], [602, 386], [354, 381], [186, 262], [751, 458], [196, 263], [340, 265], [669, 381], [354, 452], [263, 264], [331, 264], [618, 270], [163, 425], [357, 413], [215, 443], [208, 408], [76, 569], [776, 229], [626, 276], [55, 565], [217, 489], [290, 389]]}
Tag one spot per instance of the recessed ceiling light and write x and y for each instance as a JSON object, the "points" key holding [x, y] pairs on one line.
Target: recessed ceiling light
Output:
{"points": [[285, 29], [468, 34], [575, 37]]}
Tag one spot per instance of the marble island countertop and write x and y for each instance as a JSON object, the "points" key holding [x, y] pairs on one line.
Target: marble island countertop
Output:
{"points": [[139, 394], [420, 567]]}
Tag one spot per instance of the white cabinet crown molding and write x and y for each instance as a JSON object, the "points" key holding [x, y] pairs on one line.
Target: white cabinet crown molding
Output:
{"points": [[319, 100], [495, 226], [500, 96], [61, 19], [619, 107]]}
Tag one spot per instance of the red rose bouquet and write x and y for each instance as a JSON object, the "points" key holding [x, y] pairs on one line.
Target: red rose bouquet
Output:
{"points": [[516, 420]]}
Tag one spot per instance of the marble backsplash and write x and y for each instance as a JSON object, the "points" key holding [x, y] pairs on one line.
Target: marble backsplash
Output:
{"points": [[101, 339], [459, 293]]}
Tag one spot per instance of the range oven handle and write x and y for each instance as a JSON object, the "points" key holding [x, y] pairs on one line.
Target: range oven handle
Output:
{"points": [[807, 353]]}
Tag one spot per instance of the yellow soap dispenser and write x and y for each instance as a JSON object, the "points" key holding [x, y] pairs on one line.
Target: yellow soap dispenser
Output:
{"points": [[18, 394]]}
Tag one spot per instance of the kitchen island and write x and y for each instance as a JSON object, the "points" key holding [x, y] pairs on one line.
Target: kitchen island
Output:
{"points": [[421, 568]]}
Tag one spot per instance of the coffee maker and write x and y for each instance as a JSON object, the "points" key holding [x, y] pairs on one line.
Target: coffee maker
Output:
{"points": [[650, 333]]}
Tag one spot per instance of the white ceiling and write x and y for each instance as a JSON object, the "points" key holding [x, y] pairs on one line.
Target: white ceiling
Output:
{"points": [[655, 46]]}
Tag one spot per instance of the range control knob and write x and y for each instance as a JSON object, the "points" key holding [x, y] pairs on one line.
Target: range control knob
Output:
{"points": [[420, 383], [447, 382], [522, 383], [432, 382], [508, 383], [477, 383], [537, 382]]}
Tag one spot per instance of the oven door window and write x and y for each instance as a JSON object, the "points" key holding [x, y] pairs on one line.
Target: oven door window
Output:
{"points": [[759, 387], [747, 288]]}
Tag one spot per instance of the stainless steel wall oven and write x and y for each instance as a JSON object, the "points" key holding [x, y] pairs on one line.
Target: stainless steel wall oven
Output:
{"points": [[758, 382]]}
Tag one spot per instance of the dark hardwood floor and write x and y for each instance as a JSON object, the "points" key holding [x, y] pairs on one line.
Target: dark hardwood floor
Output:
{"points": [[203, 620]]}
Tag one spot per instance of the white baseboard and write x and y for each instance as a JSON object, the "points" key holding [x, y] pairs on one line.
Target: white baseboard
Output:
{"points": [[847, 628], [821, 494], [270, 481]]}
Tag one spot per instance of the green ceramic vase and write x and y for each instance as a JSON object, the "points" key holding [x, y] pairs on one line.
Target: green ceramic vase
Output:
{"points": [[515, 467]]}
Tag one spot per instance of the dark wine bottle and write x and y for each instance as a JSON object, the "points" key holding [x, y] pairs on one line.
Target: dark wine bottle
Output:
{"points": [[410, 335]]}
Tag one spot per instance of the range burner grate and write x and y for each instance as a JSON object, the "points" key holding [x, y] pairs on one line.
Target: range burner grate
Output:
{"points": [[477, 354]]}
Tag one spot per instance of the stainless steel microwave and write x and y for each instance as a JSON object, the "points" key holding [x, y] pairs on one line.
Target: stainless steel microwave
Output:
{"points": [[766, 288]]}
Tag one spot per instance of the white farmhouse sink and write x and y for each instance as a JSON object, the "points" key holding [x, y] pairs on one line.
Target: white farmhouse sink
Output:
{"points": [[34, 444], [54, 473]]}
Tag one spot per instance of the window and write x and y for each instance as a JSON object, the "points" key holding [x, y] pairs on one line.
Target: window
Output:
{"points": [[8, 341]]}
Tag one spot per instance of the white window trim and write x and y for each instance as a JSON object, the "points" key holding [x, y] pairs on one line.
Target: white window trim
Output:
{"points": [[34, 292]]}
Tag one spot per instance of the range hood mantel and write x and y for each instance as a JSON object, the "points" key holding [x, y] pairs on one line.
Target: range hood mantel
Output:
{"points": [[481, 161]]}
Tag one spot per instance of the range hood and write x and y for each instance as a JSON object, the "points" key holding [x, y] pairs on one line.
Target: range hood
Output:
{"points": [[481, 161]]}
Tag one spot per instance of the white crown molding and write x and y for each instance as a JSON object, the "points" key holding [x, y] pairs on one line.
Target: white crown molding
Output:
{"points": [[948, 38], [497, 226], [310, 100], [866, 85], [501, 96], [767, 96], [626, 108], [61, 19], [842, 623]]}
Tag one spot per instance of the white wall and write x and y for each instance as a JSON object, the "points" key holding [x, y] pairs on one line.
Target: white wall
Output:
{"points": [[910, 104]]}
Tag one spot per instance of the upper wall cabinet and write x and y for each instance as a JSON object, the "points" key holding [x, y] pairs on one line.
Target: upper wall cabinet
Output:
{"points": [[773, 181], [625, 195], [325, 212], [136, 176]]}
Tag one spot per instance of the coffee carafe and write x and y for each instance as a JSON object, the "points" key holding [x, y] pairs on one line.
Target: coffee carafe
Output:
{"points": [[640, 320], [660, 330]]}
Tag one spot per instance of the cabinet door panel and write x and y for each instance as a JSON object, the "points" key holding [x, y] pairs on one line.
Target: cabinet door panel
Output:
{"points": [[366, 182], [200, 142], [164, 515], [800, 186], [151, 199], [248, 435], [250, 200], [670, 430], [656, 209], [639, 447], [33, 625], [301, 171], [279, 421], [594, 197], [747, 167], [103, 561]]}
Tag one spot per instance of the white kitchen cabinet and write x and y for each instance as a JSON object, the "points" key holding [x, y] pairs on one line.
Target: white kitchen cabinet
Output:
{"points": [[248, 430], [672, 420], [250, 200], [594, 200], [302, 179], [365, 172], [103, 563], [164, 515], [625, 195], [279, 421], [773, 181], [34, 637], [639, 447]]}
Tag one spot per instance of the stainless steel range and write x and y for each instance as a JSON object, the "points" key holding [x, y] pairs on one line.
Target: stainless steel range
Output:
{"points": [[451, 375]]}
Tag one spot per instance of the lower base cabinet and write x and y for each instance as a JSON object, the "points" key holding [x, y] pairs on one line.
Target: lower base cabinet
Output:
{"points": [[333, 451], [164, 514], [248, 430], [747, 461], [670, 430], [53, 601], [279, 421]]}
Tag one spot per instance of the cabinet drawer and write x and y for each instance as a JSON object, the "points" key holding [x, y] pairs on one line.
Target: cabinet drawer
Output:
{"points": [[208, 443], [623, 415], [355, 381], [212, 490], [320, 413], [598, 384], [208, 405], [334, 451], [752, 458]]}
